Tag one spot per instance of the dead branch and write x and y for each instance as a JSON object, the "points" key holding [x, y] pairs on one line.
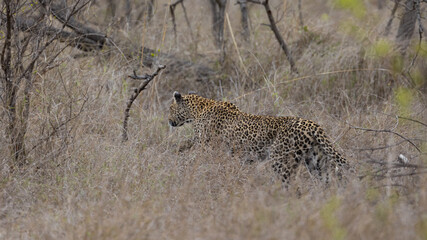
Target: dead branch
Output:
{"points": [[23, 64], [62, 13], [172, 11], [380, 177], [276, 32], [386, 146], [147, 79], [30, 25], [384, 171], [387, 131], [87, 39], [406, 118]]}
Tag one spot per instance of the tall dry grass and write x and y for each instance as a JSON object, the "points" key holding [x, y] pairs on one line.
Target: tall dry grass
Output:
{"points": [[82, 182]]}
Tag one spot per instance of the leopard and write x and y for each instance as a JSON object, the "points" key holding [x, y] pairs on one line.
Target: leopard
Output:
{"points": [[287, 141]]}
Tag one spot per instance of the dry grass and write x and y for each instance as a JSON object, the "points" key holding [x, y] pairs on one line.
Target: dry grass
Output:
{"points": [[81, 182]]}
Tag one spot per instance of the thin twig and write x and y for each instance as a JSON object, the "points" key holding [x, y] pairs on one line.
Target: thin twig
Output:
{"points": [[380, 177], [386, 131], [382, 173], [409, 119], [137, 91], [384, 147]]}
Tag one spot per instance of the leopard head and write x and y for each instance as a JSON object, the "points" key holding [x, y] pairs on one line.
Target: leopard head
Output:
{"points": [[179, 111]]}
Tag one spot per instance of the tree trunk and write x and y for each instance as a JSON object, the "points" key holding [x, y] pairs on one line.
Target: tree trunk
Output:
{"points": [[218, 17], [15, 134], [245, 19], [406, 26]]}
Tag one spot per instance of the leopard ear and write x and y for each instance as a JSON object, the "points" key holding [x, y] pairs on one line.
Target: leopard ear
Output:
{"points": [[177, 96], [192, 92]]}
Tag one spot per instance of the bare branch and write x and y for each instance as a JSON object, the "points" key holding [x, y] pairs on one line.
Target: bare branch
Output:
{"points": [[30, 25], [384, 171], [36, 56], [276, 32], [386, 131], [386, 146], [24, 65], [137, 91], [406, 118], [172, 11], [60, 11], [380, 177]]}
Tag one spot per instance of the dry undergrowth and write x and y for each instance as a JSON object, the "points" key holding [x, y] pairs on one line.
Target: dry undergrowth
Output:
{"points": [[81, 182]]}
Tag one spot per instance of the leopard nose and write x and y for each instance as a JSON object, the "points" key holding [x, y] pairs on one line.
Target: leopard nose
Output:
{"points": [[172, 123]]}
